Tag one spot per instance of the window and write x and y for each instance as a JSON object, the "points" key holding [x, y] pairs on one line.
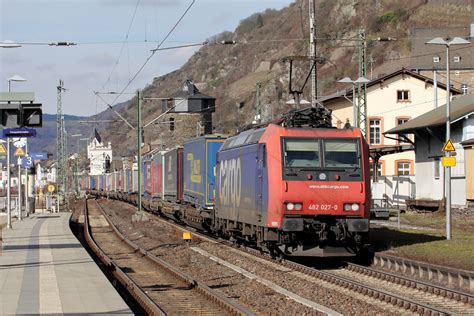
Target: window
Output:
{"points": [[375, 131], [403, 168], [301, 153], [403, 95], [464, 89], [341, 153], [457, 59], [379, 170], [436, 59], [400, 121], [171, 123]]}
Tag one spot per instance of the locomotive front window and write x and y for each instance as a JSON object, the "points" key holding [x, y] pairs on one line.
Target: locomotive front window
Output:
{"points": [[301, 153], [341, 153]]}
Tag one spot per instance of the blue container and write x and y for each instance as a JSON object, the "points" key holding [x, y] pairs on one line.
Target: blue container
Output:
{"points": [[93, 182], [199, 161], [128, 176]]}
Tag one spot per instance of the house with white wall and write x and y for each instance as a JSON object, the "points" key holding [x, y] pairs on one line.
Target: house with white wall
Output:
{"points": [[429, 131], [392, 100], [99, 155]]}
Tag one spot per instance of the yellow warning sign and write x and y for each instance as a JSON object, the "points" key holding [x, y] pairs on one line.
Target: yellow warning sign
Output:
{"points": [[19, 152], [51, 188], [448, 161], [449, 146], [3, 151]]}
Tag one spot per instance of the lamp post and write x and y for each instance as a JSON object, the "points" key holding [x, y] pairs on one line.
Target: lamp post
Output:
{"points": [[447, 44], [17, 79], [14, 78], [359, 80]]}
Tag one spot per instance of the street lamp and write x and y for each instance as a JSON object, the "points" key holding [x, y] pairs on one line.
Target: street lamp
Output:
{"points": [[359, 80], [14, 78], [9, 223], [9, 44], [447, 44]]}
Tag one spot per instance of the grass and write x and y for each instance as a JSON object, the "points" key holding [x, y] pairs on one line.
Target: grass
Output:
{"points": [[429, 245]]}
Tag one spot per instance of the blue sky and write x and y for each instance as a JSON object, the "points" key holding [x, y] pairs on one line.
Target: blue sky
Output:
{"points": [[94, 24]]}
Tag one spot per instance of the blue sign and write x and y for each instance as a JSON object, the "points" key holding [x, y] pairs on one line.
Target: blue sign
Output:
{"points": [[27, 162], [19, 132], [39, 156]]}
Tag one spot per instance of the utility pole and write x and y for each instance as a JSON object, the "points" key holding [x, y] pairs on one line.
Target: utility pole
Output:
{"points": [[362, 87], [61, 142], [139, 215], [312, 53], [258, 105]]}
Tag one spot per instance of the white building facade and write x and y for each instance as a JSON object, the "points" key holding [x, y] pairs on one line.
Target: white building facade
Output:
{"points": [[99, 155]]}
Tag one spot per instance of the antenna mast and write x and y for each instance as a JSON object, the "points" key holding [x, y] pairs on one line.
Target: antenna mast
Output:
{"points": [[61, 151], [312, 52]]}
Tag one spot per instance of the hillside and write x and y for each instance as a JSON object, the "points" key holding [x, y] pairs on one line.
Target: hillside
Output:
{"points": [[45, 140], [230, 72]]}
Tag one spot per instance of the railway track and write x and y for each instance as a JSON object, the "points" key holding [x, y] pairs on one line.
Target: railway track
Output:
{"points": [[411, 295], [408, 294], [404, 294], [159, 288]]}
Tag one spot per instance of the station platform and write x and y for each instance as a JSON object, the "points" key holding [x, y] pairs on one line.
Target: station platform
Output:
{"points": [[45, 270]]}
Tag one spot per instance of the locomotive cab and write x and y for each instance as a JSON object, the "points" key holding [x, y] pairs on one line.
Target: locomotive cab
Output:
{"points": [[324, 203]]}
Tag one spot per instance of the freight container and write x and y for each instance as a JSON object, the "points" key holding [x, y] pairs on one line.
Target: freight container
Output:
{"points": [[93, 184], [199, 160], [134, 188], [157, 175], [173, 175], [147, 177]]}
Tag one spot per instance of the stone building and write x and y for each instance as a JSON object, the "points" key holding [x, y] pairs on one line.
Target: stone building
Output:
{"points": [[188, 114]]}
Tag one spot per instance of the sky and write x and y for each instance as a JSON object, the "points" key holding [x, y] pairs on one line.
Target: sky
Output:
{"points": [[99, 27]]}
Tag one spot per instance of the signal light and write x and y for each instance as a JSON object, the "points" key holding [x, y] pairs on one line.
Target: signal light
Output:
{"points": [[21, 115], [32, 115]]}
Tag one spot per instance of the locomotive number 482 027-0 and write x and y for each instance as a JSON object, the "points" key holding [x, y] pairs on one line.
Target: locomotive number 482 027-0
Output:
{"points": [[323, 207]]}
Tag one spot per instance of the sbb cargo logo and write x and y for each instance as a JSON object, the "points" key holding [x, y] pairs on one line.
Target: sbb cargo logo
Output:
{"points": [[230, 182]]}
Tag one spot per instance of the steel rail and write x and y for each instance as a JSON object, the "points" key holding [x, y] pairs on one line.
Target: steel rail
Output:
{"points": [[138, 294], [451, 294], [230, 305], [348, 283]]}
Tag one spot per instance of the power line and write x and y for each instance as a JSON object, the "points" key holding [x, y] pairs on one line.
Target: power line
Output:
{"points": [[153, 53], [123, 44]]}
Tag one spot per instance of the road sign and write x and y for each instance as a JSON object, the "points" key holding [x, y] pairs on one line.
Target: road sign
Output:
{"points": [[448, 161], [3, 151], [27, 162], [449, 146], [19, 132], [39, 156], [51, 188], [19, 152]]}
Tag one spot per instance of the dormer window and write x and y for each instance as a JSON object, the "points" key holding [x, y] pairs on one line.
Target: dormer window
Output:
{"points": [[457, 59], [436, 59]]}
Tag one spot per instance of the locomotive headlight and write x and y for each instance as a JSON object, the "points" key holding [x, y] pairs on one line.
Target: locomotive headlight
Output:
{"points": [[355, 207], [290, 206], [347, 207], [298, 206]]}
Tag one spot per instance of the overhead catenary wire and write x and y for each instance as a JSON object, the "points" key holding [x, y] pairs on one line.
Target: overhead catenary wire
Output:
{"points": [[153, 52], [123, 44]]}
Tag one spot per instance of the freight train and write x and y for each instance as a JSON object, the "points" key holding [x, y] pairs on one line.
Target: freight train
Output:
{"points": [[289, 189]]}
